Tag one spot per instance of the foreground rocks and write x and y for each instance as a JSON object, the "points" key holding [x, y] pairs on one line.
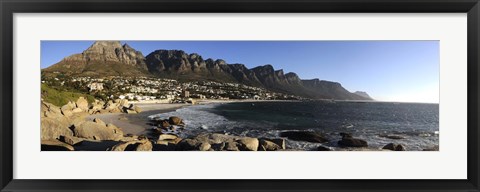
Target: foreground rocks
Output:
{"points": [[96, 107], [221, 142], [97, 130]]}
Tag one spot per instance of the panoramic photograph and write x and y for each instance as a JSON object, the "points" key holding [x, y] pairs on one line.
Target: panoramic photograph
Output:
{"points": [[239, 95]]}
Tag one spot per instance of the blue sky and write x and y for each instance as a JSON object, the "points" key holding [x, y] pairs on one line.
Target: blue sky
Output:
{"points": [[405, 71]]}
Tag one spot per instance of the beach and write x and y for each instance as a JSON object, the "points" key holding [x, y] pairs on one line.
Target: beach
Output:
{"points": [[137, 124]]}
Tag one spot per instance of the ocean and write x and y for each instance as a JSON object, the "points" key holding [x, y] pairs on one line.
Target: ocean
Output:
{"points": [[417, 123]]}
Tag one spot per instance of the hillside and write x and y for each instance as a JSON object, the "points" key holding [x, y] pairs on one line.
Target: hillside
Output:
{"points": [[110, 58]]}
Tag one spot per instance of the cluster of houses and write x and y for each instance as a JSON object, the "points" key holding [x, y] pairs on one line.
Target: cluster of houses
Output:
{"points": [[169, 90]]}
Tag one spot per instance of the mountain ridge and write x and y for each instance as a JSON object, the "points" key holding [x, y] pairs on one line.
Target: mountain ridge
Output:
{"points": [[111, 58]]}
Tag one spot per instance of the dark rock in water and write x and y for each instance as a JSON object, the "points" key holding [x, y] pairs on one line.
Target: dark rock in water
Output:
{"points": [[164, 124], [308, 136], [394, 147], [349, 141], [323, 148], [175, 121]]}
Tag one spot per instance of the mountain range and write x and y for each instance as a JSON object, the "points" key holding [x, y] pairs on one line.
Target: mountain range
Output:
{"points": [[111, 58]]}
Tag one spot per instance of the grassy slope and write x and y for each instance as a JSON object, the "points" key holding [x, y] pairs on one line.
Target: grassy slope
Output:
{"points": [[62, 97]]}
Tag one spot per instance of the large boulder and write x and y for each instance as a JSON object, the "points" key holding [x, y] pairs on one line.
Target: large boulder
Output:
{"points": [[82, 103], [54, 128], [394, 147], [141, 145], [247, 144], [231, 146], [55, 145], [162, 137], [204, 147], [77, 110], [188, 145], [67, 109], [308, 136], [97, 130], [110, 105], [50, 110], [175, 120], [268, 145], [349, 141]]}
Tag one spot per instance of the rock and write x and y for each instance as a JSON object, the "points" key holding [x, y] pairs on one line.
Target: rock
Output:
{"points": [[167, 137], [77, 110], [231, 146], [97, 131], [323, 148], [164, 124], [142, 145], [137, 109], [349, 141], [205, 147], [99, 121], [50, 110], [67, 113], [129, 111], [188, 145], [279, 142], [400, 147], [96, 107], [55, 145], [115, 110], [110, 105], [267, 145], [247, 144], [217, 146], [145, 145], [82, 103], [54, 128], [69, 106], [308, 136], [123, 103], [175, 120], [394, 147], [71, 140]]}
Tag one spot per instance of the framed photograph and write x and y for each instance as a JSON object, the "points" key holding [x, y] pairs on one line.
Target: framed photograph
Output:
{"points": [[202, 95]]}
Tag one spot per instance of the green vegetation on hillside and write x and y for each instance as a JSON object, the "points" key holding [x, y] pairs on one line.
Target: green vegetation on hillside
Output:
{"points": [[60, 97]]}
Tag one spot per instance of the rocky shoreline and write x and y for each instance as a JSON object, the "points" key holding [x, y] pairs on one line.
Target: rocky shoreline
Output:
{"points": [[69, 128]]}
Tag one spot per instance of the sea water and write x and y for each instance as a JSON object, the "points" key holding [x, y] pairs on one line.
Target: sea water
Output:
{"points": [[418, 123]]}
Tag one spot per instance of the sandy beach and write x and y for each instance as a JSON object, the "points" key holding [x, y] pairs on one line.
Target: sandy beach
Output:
{"points": [[136, 124]]}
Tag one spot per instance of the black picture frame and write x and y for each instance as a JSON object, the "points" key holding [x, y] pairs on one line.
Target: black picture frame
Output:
{"points": [[9, 7]]}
